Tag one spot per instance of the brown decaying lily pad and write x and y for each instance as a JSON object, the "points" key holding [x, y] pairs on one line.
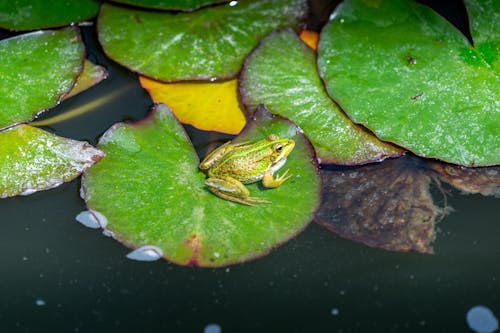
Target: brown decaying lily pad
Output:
{"points": [[388, 205], [485, 180], [385, 205]]}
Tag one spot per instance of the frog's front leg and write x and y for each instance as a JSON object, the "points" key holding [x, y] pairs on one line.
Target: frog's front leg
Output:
{"points": [[270, 182], [231, 189]]}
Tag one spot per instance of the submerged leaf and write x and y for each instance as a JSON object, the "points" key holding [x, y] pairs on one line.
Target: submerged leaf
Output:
{"points": [[32, 160], [385, 205], [151, 192], [209, 43], [42, 14], [92, 74], [36, 70], [282, 74], [484, 180], [210, 106], [185, 5], [412, 78]]}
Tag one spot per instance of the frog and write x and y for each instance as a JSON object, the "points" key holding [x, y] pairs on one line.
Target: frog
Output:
{"points": [[232, 165]]}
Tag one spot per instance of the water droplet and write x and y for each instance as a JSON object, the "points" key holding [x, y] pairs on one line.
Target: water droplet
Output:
{"points": [[335, 312], [212, 328], [216, 254], [146, 253], [481, 319], [40, 302], [233, 3]]}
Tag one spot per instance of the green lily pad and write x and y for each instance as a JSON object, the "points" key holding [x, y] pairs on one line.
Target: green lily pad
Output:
{"points": [[184, 5], [211, 43], [40, 14], [148, 191], [37, 69], [412, 78], [282, 74], [32, 159]]}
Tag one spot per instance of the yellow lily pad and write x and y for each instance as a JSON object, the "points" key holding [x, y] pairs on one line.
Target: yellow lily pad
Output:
{"points": [[210, 106]]}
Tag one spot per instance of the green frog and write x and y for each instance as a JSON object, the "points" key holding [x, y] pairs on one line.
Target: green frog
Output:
{"points": [[232, 165]]}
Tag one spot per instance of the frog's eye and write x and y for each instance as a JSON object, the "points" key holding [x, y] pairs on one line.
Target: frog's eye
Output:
{"points": [[278, 148]]}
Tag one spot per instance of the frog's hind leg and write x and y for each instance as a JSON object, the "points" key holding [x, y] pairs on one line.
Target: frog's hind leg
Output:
{"points": [[231, 189]]}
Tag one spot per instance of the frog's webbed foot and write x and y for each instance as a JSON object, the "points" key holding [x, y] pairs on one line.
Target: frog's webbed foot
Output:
{"points": [[233, 190], [270, 182]]}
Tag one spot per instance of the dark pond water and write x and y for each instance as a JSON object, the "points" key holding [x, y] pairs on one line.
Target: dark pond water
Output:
{"points": [[58, 276]]}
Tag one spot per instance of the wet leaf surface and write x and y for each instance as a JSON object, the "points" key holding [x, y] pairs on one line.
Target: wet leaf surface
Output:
{"points": [[184, 5], [40, 14], [208, 43], [210, 106], [413, 78], [32, 160], [150, 191], [385, 205], [282, 74], [36, 70]]}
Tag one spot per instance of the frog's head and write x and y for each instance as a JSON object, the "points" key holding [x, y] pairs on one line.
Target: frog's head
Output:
{"points": [[280, 148]]}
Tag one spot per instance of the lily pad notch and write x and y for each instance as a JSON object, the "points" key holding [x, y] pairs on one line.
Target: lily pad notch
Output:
{"points": [[174, 211]]}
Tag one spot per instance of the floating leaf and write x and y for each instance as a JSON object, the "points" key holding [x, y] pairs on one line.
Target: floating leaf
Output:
{"points": [[36, 70], [151, 192], [32, 160], [209, 43], [407, 74], [385, 205], [92, 74], [40, 14], [282, 74], [210, 106], [185, 5]]}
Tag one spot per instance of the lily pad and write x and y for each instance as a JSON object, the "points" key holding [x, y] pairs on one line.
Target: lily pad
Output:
{"points": [[40, 14], [32, 159], [37, 70], [384, 205], [184, 5], [410, 76], [485, 180], [282, 74], [92, 74], [211, 43], [210, 106], [150, 191]]}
